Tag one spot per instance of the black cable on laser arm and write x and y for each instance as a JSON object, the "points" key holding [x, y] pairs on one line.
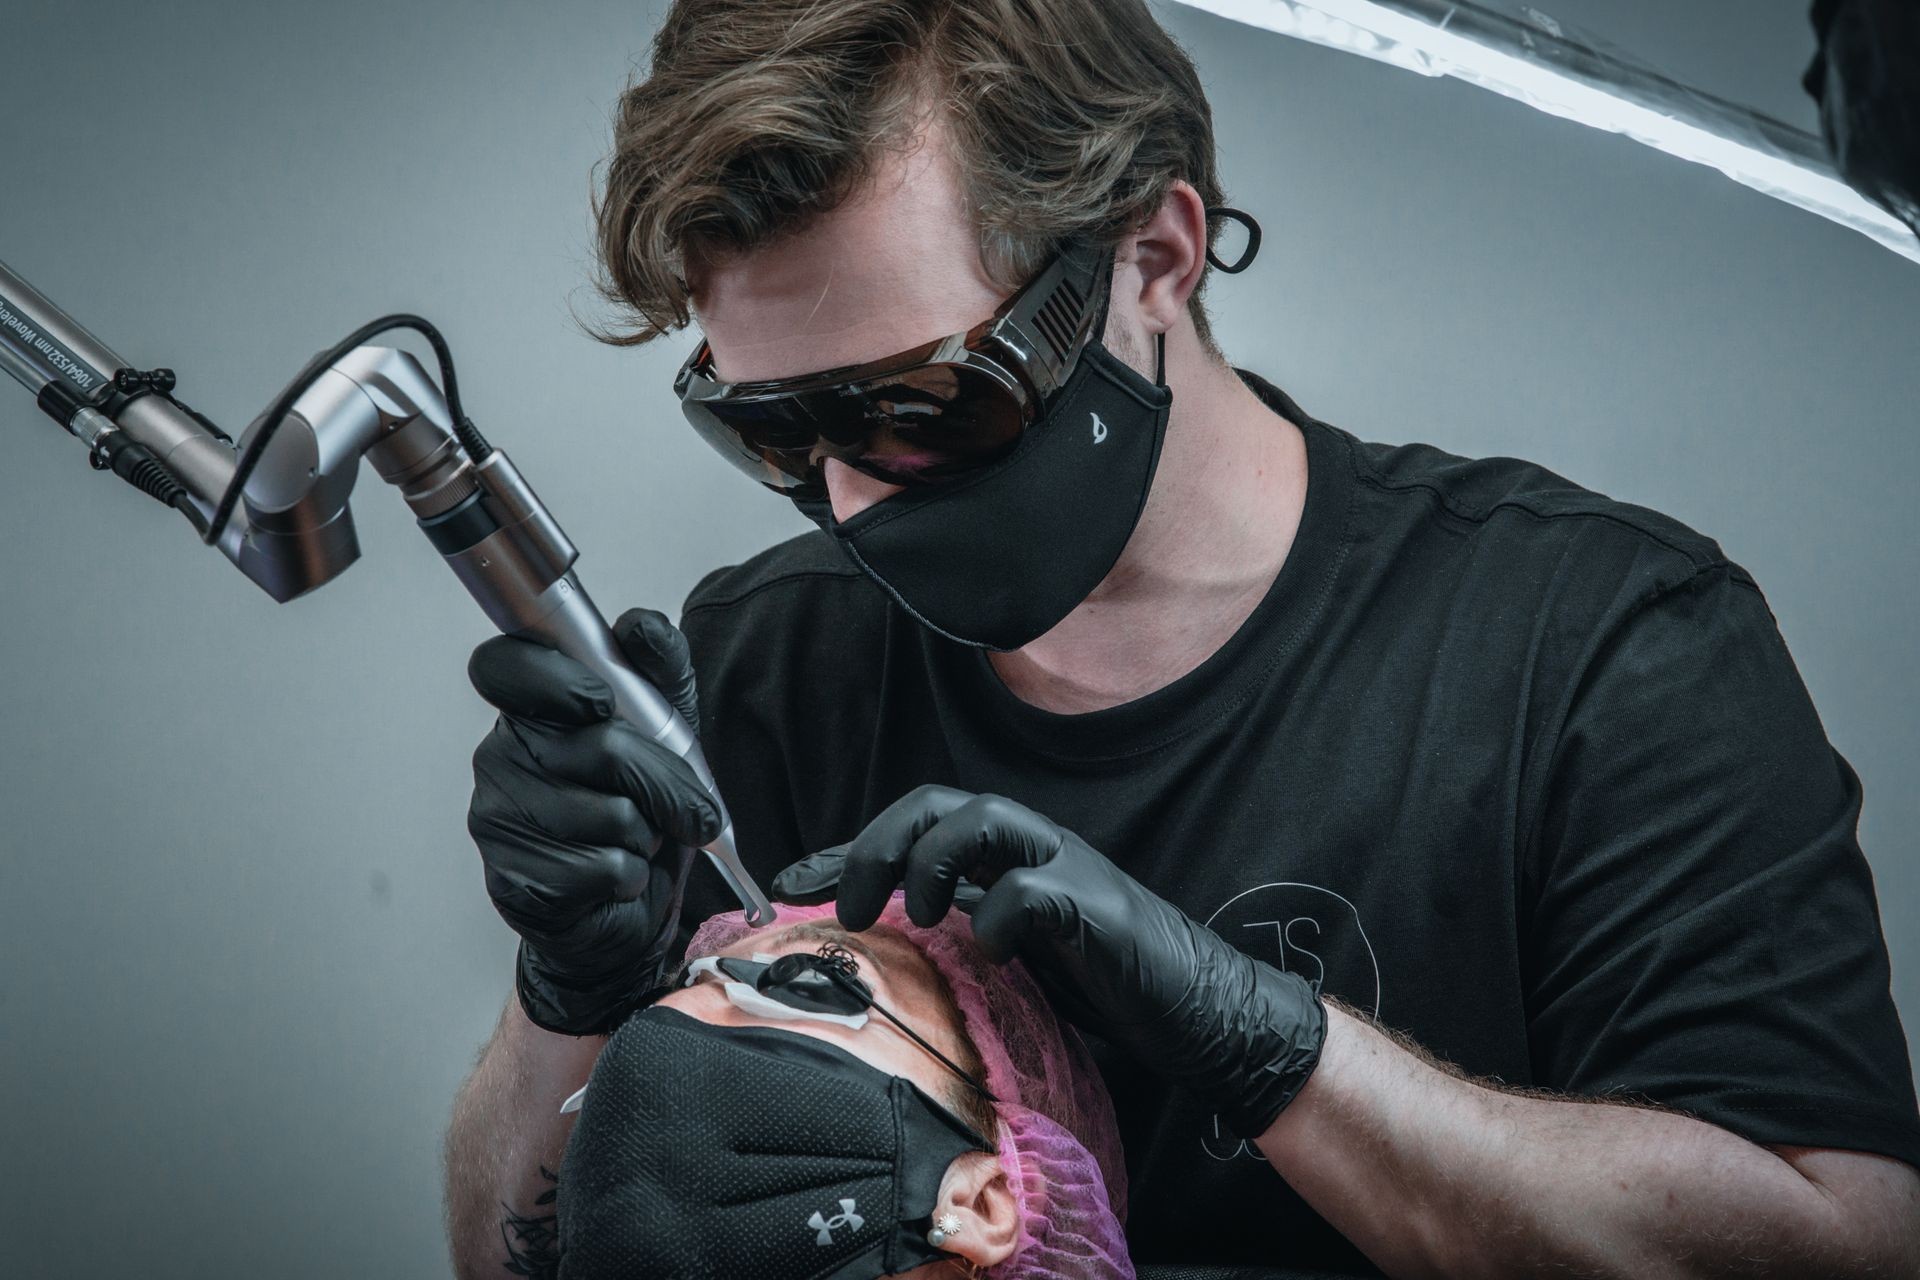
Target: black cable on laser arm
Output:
{"points": [[469, 435], [111, 449]]}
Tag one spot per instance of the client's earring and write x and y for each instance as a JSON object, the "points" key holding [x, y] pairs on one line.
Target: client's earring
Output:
{"points": [[945, 1228]]}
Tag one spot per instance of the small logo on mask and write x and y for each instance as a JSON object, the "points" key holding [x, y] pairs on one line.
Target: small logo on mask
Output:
{"points": [[827, 1226], [1099, 428]]}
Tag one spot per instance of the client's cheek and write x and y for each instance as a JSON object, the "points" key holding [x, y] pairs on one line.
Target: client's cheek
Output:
{"points": [[708, 1002]]}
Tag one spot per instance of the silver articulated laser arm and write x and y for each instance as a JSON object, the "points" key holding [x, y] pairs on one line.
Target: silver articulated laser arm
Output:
{"points": [[288, 526]]}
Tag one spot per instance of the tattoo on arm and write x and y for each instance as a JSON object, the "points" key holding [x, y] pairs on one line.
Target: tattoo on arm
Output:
{"points": [[533, 1242]]}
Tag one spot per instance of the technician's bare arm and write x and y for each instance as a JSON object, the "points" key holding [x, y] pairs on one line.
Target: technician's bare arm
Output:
{"points": [[1433, 1174], [506, 1130]]}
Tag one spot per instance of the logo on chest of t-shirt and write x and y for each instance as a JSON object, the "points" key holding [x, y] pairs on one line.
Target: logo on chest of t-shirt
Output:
{"points": [[1306, 930]]}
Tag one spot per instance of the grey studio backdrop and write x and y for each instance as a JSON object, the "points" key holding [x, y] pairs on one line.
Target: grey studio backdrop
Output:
{"points": [[245, 953]]}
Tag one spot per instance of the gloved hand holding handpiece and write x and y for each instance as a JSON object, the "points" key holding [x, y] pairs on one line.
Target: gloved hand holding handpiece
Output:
{"points": [[586, 826], [1113, 957]]}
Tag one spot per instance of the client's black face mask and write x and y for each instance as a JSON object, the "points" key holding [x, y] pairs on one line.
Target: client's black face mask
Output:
{"points": [[748, 1151], [996, 559]]}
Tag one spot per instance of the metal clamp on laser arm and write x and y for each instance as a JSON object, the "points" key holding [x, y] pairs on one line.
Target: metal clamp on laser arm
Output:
{"points": [[278, 506]]}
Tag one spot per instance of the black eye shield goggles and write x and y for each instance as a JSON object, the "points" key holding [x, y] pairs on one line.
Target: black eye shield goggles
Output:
{"points": [[923, 415], [827, 981]]}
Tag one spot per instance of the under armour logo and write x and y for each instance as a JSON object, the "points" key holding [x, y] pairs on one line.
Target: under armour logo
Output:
{"points": [[1099, 428], [827, 1226]]}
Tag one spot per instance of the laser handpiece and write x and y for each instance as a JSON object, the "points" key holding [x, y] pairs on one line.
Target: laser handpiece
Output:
{"points": [[291, 529]]}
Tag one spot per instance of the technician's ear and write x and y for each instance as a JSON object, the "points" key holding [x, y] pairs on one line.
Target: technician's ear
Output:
{"points": [[1171, 256], [975, 1191]]}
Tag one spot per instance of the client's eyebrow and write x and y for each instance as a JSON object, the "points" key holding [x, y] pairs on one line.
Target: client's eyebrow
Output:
{"points": [[820, 931]]}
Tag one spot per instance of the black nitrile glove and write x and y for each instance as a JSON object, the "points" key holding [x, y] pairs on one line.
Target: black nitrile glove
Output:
{"points": [[1113, 958], [586, 826]]}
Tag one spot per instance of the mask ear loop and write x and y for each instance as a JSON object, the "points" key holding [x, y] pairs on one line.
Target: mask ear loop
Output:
{"points": [[1253, 239]]}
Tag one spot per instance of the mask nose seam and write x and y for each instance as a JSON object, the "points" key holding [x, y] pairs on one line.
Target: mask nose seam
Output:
{"points": [[897, 1211]]}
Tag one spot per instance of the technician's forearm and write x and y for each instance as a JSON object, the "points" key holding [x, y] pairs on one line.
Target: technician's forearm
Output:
{"points": [[1430, 1174], [507, 1128]]}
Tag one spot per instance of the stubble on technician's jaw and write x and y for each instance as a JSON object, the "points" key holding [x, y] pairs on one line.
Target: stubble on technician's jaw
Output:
{"points": [[901, 979]]}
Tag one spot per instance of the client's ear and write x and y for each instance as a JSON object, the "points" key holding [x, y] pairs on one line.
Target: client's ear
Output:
{"points": [[975, 1191]]}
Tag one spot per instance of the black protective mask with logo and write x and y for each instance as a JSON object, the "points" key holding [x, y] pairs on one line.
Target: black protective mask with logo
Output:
{"points": [[997, 558], [704, 1150]]}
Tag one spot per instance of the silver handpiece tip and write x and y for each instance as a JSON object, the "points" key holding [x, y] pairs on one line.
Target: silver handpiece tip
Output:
{"points": [[726, 860]]}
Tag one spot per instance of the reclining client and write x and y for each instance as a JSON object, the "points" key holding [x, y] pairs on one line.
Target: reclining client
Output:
{"points": [[814, 1103]]}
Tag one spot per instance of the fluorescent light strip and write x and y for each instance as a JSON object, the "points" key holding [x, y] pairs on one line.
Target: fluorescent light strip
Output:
{"points": [[1406, 40]]}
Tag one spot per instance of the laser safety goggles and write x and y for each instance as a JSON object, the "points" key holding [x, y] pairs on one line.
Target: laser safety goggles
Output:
{"points": [[927, 414]]}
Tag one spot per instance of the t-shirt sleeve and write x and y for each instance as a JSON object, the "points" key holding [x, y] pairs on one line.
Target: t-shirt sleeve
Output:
{"points": [[1698, 920]]}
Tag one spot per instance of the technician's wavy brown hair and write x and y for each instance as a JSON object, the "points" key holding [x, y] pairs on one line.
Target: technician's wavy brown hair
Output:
{"points": [[1067, 116]]}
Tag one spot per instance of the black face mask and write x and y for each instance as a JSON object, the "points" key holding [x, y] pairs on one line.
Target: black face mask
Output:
{"points": [[748, 1151], [996, 559]]}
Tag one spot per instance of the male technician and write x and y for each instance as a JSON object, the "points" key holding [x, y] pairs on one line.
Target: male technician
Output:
{"points": [[1447, 858]]}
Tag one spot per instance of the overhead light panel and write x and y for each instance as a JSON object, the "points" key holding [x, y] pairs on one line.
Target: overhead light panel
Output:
{"points": [[1529, 57]]}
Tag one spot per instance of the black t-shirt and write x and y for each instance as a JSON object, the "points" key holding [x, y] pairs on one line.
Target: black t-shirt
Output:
{"points": [[1524, 771]]}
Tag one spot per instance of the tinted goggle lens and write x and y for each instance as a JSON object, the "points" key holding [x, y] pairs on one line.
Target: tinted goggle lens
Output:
{"points": [[921, 425]]}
